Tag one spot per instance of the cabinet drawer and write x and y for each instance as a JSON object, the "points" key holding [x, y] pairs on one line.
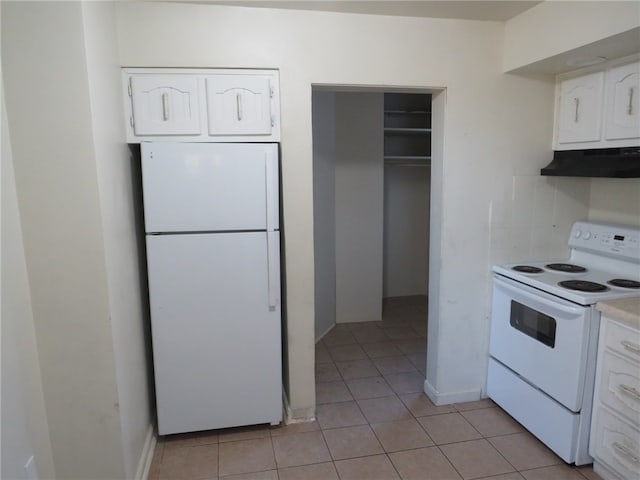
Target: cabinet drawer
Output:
{"points": [[620, 386], [622, 339], [616, 444]]}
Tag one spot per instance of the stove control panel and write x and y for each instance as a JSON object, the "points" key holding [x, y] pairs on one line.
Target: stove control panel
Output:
{"points": [[623, 241]]}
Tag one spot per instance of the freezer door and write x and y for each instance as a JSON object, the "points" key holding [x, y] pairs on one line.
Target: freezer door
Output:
{"points": [[210, 186], [216, 338]]}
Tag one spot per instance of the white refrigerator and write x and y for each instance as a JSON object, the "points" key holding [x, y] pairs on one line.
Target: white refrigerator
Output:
{"points": [[211, 215]]}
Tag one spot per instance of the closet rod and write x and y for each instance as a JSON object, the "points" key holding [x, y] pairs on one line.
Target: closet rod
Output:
{"points": [[421, 165]]}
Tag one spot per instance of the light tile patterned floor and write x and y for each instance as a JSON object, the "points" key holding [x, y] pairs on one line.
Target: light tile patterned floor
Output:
{"points": [[373, 423]]}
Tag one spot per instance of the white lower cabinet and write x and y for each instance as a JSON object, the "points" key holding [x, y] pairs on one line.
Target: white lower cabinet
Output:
{"points": [[616, 444], [615, 429]]}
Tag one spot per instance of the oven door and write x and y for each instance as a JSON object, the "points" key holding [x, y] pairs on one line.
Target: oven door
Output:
{"points": [[542, 338]]}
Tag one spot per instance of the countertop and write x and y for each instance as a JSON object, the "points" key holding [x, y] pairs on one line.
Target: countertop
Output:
{"points": [[625, 309]]}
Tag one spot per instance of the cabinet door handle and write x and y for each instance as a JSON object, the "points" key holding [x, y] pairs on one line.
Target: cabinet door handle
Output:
{"points": [[631, 346], [239, 106], [630, 106], [629, 390], [165, 107], [577, 103], [627, 452]]}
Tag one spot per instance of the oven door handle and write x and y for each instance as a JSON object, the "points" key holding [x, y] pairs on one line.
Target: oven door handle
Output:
{"points": [[537, 298]]}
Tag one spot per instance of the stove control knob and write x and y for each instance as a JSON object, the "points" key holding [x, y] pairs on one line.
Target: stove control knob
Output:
{"points": [[587, 235], [578, 233]]}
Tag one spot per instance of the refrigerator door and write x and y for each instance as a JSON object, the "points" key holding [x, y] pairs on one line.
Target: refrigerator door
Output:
{"points": [[216, 338], [210, 187]]}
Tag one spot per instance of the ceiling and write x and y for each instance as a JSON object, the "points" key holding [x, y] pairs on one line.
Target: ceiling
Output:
{"points": [[497, 10], [616, 46]]}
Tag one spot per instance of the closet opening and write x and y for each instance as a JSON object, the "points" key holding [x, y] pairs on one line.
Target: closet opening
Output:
{"points": [[372, 195]]}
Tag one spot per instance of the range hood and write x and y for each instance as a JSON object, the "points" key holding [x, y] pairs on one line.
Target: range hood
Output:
{"points": [[598, 162]]}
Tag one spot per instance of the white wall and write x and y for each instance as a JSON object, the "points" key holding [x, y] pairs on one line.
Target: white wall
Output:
{"points": [[114, 173], [615, 200], [45, 75], [324, 213], [359, 190], [24, 422], [406, 230], [74, 194], [493, 126], [552, 28]]}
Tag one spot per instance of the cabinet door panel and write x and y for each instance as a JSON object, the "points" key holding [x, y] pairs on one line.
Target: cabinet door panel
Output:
{"points": [[165, 105], [239, 105], [620, 386], [581, 109], [623, 102], [616, 443]]}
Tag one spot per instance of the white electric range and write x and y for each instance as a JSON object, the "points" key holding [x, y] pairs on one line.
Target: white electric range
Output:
{"points": [[544, 333]]}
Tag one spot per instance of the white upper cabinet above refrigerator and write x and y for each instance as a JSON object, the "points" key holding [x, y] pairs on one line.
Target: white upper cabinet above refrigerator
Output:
{"points": [[201, 105], [164, 105], [239, 105]]}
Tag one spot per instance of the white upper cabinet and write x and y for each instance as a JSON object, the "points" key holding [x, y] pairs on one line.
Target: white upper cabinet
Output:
{"points": [[239, 105], [623, 105], [599, 107], [202, 105], [164, 105], [580, 109]]}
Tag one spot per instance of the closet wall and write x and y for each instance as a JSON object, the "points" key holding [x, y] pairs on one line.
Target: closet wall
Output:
{"points": [[324, 211], [406, 230], [359, 206], [370, 220]]}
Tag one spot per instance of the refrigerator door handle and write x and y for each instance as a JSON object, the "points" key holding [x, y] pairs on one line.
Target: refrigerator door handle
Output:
{"points": [[272, 256], [272, 281], [269, 191]]}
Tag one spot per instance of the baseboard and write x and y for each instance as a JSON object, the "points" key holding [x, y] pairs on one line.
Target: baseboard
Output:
{"points": [[296, 415], [439, 398], [320, 337], [144, 464]]}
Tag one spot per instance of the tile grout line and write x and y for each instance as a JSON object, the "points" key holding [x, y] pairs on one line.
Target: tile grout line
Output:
{"points": [[411, 416]]}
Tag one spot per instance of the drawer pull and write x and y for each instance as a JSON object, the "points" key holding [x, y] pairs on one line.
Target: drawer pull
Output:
{"points": [[629, 390], [632, 347], [626, 451]]}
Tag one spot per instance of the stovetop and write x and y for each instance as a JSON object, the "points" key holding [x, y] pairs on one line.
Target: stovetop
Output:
{"points": [[599, 255]]}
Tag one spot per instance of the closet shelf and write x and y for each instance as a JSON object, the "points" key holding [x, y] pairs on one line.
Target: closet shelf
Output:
{"points": [[407, 160], [408, 112], [407, 130]]}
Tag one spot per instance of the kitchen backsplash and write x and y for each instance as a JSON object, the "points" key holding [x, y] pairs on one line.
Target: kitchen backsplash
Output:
{"points": [[615, 200], [536, 220]]}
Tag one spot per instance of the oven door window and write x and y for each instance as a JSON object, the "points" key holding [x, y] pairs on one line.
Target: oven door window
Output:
{"points": [[537, 325]]}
